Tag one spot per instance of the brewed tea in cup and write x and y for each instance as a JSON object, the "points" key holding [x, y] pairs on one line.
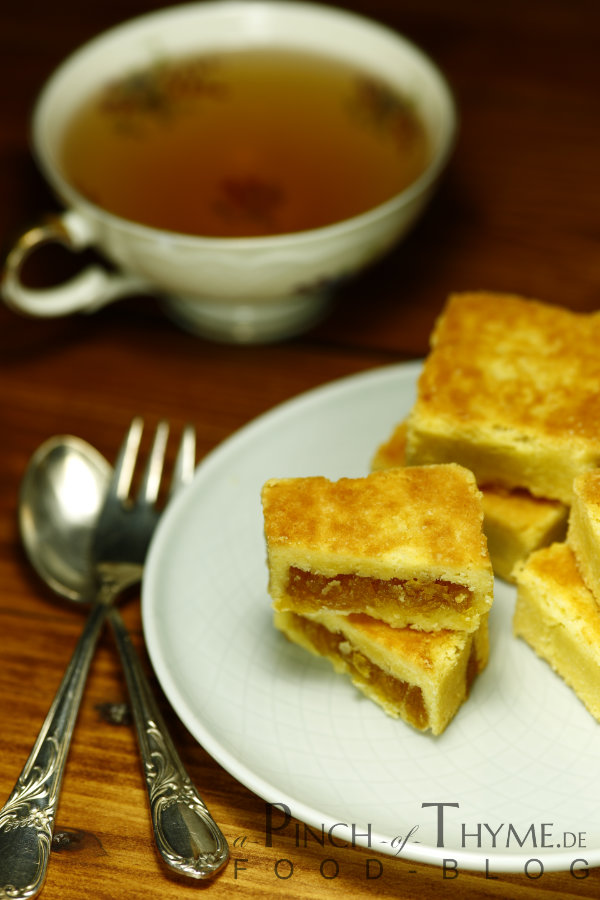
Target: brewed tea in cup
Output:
{"points": [[237, 159], [244, 143]]}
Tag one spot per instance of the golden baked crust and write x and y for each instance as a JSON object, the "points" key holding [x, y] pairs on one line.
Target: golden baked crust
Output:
{"points": [[392, 452], [517, 524], [584, 529], [514, 521], [510, 390], [420, 677], [404, 545], [558, 617]]}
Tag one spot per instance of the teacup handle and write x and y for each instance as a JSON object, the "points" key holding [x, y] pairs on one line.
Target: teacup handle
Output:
{"points": [[87, 291]]}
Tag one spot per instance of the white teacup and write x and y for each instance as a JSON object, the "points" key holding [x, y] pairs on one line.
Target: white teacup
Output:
{"points": [[251, 289]]}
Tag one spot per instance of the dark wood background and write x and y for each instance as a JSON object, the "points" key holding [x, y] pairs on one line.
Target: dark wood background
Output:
{"points": [[517, 211]]}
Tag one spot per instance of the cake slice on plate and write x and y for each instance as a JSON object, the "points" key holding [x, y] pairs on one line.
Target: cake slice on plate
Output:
{"points": [[421, 677], [510, 390], [405, 546], [558, 617]]}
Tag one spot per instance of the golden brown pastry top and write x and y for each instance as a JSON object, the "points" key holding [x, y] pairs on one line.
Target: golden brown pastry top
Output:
{"points": [[393, 520], [519, 509], [425, 649], [566, 597], [504, 362]]}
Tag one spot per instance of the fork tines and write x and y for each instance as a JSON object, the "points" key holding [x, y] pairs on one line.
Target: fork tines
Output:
{"points": [[149, 486]]}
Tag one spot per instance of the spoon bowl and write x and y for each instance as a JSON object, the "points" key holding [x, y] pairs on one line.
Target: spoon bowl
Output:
{"points": [[61, 496]]}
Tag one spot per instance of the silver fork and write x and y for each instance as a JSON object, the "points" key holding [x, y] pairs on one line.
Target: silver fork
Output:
{"points": [[186, 835]]}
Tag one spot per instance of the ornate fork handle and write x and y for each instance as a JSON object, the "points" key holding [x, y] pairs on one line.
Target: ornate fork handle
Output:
{"points": [[27, 818], [187, 836]]}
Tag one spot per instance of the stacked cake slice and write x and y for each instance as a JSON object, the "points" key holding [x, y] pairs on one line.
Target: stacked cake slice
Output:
{"points": [[388, 576]]}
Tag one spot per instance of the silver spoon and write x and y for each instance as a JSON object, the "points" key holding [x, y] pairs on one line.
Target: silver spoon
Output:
{"points": [[61, 497]]}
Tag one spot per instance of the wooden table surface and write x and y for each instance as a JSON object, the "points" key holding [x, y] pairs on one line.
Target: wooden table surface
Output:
{"points": [[518, 211]]}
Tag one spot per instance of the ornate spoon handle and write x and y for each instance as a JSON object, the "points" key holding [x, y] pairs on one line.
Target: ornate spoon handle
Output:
{"points": [[27, 818], [187, 836]]}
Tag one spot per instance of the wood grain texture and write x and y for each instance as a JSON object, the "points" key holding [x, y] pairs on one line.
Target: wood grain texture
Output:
{"points": [[517, 211]]}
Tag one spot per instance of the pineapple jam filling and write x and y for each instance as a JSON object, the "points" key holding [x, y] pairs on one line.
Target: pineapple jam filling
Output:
{"points": [[350, 591], [393, 689]]}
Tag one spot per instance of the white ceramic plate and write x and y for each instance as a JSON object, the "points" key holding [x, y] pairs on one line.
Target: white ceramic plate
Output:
{"points": [[520, 760]]}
